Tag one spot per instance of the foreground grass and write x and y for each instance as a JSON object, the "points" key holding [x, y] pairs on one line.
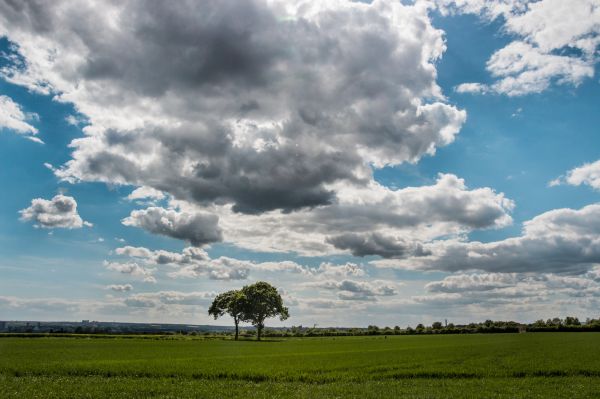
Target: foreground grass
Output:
{"points": [[511, 365], [129, 387]]}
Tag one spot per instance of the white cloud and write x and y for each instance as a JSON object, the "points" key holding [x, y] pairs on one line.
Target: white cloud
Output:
{"points": [[555, 182], [337, 271], [133, 269], [120, 287], [162, 298], [222, 268], [59, 212], [508, 289], [357, 290], [35, 139], [554, 42], [145, 193], [588, 174], [472, 282], [12, 117], [478, 88], [193, 262]]}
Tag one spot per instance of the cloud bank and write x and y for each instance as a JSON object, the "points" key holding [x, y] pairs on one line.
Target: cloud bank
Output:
{"points": [[558, 241]]}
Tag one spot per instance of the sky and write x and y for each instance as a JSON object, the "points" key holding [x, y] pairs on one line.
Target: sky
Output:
{"points": [[384, 162]]}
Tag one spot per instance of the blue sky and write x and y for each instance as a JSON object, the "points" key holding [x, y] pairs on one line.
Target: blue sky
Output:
{"points": [[512, 144]]}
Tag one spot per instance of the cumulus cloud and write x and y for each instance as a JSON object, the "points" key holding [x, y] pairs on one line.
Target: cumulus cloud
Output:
{"points": [[120, 287], [559, 241], [382, 220], [478, 88], [472, 282], [222, 268], [376, 244], [357, 290], [161, 257], [198, 228], [512, 289], [193, 262], [133, 269], [59, 212], [346, 270], [13, 118], [554, 41], [165, 298], [145, 193], [263, 105], [588, 174], [267, 114]]}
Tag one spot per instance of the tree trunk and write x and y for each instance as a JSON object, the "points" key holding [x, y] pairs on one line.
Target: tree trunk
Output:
{"points": [[259, 328], [236, 327]]}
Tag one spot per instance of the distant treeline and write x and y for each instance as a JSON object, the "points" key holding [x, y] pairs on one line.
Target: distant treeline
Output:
{"points": [[96, 327], [568, 324]]}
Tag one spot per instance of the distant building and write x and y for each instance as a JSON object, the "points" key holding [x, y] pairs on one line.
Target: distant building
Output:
{"points": [[2, 325]]}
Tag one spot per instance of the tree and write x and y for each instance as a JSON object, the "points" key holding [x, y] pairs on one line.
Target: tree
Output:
{"points": [[232, 303], [572, 321], [262, 301]]}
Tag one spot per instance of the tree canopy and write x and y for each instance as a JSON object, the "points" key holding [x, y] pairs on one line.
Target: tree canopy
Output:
{"points": [[262, 301], [230, 302], [253, 303]]}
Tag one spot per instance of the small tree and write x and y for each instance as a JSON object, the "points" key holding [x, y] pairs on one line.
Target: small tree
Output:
{"points": [[572, 321], [261, 302], [230, 302]]}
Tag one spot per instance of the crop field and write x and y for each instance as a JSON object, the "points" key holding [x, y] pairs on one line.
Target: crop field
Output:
{"points": [[464, 366]]}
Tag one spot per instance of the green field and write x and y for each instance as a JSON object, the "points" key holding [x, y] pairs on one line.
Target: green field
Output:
{"points": [[495, 365]]}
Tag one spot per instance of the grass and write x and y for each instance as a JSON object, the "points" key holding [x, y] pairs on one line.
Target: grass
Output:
{"points": [[462, 366]]}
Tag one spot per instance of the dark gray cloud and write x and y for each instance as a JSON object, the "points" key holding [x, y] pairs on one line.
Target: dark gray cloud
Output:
{"points": [[376, 244], [189, 45], [199, 229], [59, 212]]}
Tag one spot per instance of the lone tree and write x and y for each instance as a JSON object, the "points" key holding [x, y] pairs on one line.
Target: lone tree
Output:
{"points": [[261, 301], [232, 303]]}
